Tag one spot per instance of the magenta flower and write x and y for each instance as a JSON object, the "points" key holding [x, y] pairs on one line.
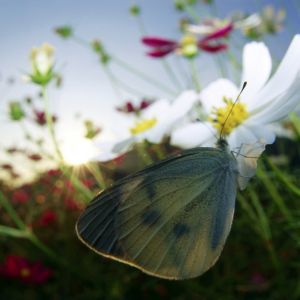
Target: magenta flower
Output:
{"points": [[40, 117], [129, 107], [18, 267], [20, 196], [189, 45], [48, 217]]}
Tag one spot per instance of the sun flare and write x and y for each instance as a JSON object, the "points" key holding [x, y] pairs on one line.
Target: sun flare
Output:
{"points": [[78, 152]]}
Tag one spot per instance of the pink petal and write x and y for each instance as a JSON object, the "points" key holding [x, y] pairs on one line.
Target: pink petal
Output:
{"points": [[220, 33], [158, 42]]}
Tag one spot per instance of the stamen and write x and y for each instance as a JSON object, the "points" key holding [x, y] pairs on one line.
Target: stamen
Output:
{"points": [[237, 116], [143, 125]]}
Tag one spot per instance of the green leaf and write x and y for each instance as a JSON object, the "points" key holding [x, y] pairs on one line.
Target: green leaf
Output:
{"points": [[64, 32], [16, 111]]}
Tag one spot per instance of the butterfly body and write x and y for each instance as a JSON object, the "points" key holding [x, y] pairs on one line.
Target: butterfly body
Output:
{"points": [[171, 219]]}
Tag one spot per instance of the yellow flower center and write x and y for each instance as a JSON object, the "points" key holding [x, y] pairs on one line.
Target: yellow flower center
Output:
{"points": [[188, 45], [25, 272], [235, 116], [143, 125]]}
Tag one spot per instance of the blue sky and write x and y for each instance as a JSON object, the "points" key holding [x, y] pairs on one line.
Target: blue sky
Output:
{"points": [[24, 24]]}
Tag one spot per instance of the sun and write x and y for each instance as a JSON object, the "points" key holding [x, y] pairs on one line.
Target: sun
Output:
{"points": [[79, 151]]}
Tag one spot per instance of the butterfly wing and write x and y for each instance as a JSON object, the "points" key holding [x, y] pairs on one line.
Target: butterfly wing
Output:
{"points": [[170, 220]]}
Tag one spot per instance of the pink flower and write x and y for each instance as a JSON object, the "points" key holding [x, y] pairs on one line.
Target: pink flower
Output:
{"points": [[18, 267], [7, 167], [161, 47], [34, 157], [48, 217], [72, 204], [54, 172], [129, 107], [40, 117], [20, 196]]}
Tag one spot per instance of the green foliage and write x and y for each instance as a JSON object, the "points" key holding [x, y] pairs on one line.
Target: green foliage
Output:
{"points": [[16, 111], [64, 32]]}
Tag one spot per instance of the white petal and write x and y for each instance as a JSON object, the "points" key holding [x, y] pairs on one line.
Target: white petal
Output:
{"points": [[247, 135], [159, 110], [257, 65], [278, 107], [213, 94], [283, 79], [157, 133], [123, 145], [247, 162], [192, 135], [183, 104]]}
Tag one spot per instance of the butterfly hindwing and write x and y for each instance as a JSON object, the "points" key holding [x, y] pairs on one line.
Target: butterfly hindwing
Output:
{"points": [[171, 219]]}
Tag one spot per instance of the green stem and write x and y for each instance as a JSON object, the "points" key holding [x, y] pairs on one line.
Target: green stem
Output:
{"points": [[191, 12], [141, 75], [88, 195], [131, 69], [283, 178], [13, 232], [221, 65], [271, 188], [96, 172], [113, 82], [296, 122], [50, 125], [11, 211], [195, 76], [143, 153], [171, 73], [117, 82]]}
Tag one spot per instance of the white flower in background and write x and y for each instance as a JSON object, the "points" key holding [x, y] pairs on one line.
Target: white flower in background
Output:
{"points": [[42, 60], [262, 102], [155, 122]]}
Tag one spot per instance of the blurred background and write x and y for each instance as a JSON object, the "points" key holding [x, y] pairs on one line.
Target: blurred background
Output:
{"points": [[40, 255]]}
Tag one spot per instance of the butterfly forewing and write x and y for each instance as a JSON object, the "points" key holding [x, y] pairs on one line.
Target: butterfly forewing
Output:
{"points": [[171, 219]]}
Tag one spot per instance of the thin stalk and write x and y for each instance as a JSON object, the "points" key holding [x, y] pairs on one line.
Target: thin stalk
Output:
{"points": [[131, 69], [191, 12], [13, 232], [221, 65], [88, 195], [283, 178], [50, 125], [296, 122], [195, 76], [271, 188], [117, 82], [96, 172], [171, 73], [11, 211], [141, 75], [143, 153], [113, 82]]}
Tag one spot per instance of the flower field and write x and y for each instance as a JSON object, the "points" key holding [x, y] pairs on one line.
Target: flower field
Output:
{"points": [[209, 152]]}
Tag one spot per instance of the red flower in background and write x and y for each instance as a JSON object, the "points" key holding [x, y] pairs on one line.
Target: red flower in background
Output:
{"points": [[40, 117], [20, 196], [73, 205], [34, 157], [129, 107], [18, 267], [209, 43], [7, 167], [54, 172], [48, 217]]}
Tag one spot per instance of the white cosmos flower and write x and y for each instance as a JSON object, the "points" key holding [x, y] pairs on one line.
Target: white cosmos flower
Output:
{"points": [[42, 58], [262, 103], [154, 122]]}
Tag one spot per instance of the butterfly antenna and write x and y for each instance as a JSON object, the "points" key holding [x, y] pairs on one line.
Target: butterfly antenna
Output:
{"points": [[233, 105]]}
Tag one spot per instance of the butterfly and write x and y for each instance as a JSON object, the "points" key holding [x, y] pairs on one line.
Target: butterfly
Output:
{"points": [[171, 219]]}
